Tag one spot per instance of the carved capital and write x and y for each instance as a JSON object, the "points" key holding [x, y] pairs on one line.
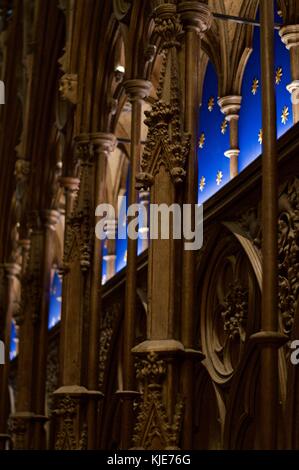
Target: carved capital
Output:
{"points": [[50, 218], [69, 183], [12, 270], [293, 87], [231, 153], [137, 89], [195, 16], [68, 87], [167, 24], [290, 35], [230, 106], [103, 143]]}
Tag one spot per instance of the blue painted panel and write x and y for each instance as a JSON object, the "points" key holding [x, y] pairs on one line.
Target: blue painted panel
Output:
{"points": [[55, 300], [211, 157], [13, 341], [212, 141]]}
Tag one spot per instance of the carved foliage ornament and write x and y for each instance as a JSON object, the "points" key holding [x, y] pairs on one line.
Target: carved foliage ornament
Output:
{"points": [[154, 428], [78, 227], [235, 310], [288, 254], [66, 440], [17, 428], [166, 143], [107, 328]]}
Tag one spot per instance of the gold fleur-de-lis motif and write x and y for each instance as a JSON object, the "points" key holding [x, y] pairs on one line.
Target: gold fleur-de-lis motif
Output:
{"points": [[211, 103], [285, 115], [223, 126], [202, 183], [260, 136], [219, 177], [202, 140], [255, 85], [278, 75]]}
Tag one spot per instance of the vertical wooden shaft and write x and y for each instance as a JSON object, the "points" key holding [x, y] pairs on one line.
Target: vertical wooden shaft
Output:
{"points": [[11, 270], [103, 144], [130, 296], [27, 340], [137, 90], [188, 284], [71, 187], [269, 354], [49, 220], [195, 17]]}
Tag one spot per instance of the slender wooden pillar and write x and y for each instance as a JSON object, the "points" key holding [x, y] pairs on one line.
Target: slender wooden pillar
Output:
{"points": [[49, 219], [269, 338], [196, 18], [11, 274], [71, 187], [136, 90], [102, 144], [23, 422], [230, 106]]}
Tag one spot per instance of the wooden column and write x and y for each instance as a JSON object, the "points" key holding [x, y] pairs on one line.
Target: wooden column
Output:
{"points": [[290, 37], [196, 18], [136, 90], [11, 272], [103, 144], [76, 398], [24, 421], [268, 338], [49, 219], [230, 106]]}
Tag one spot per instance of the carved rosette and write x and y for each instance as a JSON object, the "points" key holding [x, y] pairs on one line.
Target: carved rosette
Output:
{"points": [[166, 144], [154, 428], [288, 254], [230, 307]]}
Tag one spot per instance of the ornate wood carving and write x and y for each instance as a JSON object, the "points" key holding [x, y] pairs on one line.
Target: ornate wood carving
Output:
{"points": [[108, 326], [166, 143], [288, 254], [154, 429]]}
